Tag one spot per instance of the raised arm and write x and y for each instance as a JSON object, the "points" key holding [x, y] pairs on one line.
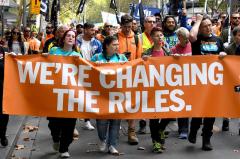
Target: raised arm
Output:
{"points": [[194, 31]]}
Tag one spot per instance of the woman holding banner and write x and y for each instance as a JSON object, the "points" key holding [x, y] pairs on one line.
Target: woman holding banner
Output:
{"points": [[108, 130], [62, 128], [157, 128]]}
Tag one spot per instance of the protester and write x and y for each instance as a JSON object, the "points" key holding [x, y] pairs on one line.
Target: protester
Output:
{"points": [[232, 49], [16, 42], [54, 41], [108, 129], [203, 43], [107, 31], [3, 117], [135, 27], [130, 45], [79, 29], [169, 30], [235, 21], [149, 24], [49, 34], [184, 46], [222, 18], [158, 19], [7, 34], [89, 46], [40, 36], [147, 43], [62, 128], [216, 27], [171, 40], [33, 43], [157, 128]]}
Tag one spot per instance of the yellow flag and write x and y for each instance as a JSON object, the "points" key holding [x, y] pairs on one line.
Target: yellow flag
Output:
{"points": [[35, 6]]}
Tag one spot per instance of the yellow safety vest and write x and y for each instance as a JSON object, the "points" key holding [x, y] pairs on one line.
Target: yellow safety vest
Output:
{"points": [[146, 44]]}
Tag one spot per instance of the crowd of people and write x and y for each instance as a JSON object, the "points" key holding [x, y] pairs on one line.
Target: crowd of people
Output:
{"points": [[160, 37]]}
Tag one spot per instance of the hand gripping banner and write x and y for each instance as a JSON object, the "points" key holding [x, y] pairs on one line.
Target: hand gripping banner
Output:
{"points": [[164, 87]]}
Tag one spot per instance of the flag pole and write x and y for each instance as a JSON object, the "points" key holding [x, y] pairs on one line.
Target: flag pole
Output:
{"points": [[2, 16], [141, 14], [229, 21], [205, 6]]}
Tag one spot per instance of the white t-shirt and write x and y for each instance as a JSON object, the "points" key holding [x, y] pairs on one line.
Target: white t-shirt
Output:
{"points": [[17, 49], [86, 50]]}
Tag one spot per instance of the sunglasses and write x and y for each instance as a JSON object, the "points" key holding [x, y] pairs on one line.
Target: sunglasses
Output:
{"points": [[236, 18], [16, 33], [108, 26], [26, 30], [48, 27], [151, 22]]}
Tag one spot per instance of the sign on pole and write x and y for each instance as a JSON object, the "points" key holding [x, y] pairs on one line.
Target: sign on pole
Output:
{"points": [[148, 11], [4, 2], [35, 6], [110, 18]]}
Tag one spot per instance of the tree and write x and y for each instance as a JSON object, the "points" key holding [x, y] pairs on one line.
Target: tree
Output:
{"points": [[93, 9], [215, 5]]}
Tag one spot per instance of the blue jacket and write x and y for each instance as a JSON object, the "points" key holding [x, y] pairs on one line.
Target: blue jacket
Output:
{"points": [[95, 44]]}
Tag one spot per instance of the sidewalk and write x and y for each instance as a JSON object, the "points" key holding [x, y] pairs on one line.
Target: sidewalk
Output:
{"points": [[38, 144], [14, 128]]}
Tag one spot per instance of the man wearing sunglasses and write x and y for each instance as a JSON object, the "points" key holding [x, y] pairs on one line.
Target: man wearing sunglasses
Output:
{"points": [[107, 31], [149, 24], [49, 34], [235, 21], [33, 43]]}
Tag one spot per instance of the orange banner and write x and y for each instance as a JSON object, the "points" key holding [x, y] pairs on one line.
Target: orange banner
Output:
{"points": [[164, 87]]}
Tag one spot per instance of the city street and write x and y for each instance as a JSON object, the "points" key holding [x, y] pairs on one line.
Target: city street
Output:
{"points": [[35, 142]]}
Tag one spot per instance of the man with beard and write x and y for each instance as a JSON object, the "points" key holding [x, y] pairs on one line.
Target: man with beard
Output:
{"points": [[89, 46], [235, 21], [169, 28], [232, 49], [49, 34], [54, 41], [171, 40], [79, 29]]}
